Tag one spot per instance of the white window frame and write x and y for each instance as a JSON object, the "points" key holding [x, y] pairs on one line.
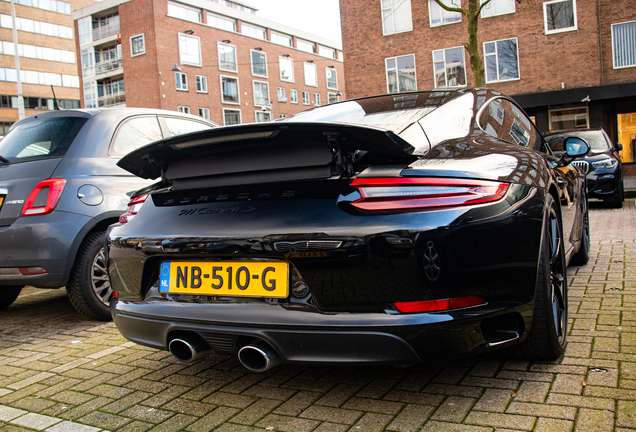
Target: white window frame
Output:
{"points": [[306, 100], [386, 72], [293, 96], [187, 9], [184, 86], [256, 30], [233, 110], [391, 11], [317, 99], [222, 18], [587, 115], [252, 63], [143, 38], [276, 37], [184, 37], [218, 45], [205, 112], [281, 94], [310, 66], [443, 50], [633, 53], [332, 95], [335, 72], [204, 83], [492, 5], [257, 114], [306, 46], [442, 11], [254, 92], [497, 56], [561, 30], [184, 109], [280, 70], [238, 89]]}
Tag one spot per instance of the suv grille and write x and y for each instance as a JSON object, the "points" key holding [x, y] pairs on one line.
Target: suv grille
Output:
{"points": [[582, 165], [303, 246]]}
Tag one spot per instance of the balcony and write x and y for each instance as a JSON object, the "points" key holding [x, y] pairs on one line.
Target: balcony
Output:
{"points": [[105, 31], [107, 66], [111, 100]]}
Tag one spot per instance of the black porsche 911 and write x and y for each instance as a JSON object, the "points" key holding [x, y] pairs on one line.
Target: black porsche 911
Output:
{"points": [[384, 230]]}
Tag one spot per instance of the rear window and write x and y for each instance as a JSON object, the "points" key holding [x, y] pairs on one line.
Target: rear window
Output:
{"points": [[41, 138]]}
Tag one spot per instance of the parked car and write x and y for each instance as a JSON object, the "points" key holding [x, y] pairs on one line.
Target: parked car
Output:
{"points": [[602, 165], [60, 188], [442, 225]]}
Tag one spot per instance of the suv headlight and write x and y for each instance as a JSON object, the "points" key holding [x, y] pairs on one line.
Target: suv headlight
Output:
{"points": [[605, 163]]}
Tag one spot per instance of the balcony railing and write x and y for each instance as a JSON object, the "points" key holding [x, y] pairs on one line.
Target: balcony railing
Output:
{"points": [[105, 31], [103, 67], [111, 100]]}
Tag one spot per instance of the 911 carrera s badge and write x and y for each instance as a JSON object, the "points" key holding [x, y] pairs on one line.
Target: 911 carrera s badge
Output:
{"points": [[206, 210]]}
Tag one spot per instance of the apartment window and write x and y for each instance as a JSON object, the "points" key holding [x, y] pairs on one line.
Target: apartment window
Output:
{"points": [[396, 16], [400, 73], [85, 30], [202, 84], [182, 81], [263, 116], [502, 60], [49, 5], [332, 98], [231, 117], [189, 50], [259, 63], [498, 7], [205, 113], [624, 44], [327, 52], [227, 57], [261, 93], [184, 12], [281, 39], [559, 16], [317, 99], [253, 31], [282, 97], [229, 90], [286, 67], [39, 52], [220, 22], [332, 79], [570, 118], [90, 95], [311, 78], [293, 96], [184, 109], [137, 45], [439, 16], [87, 57], [449, 67], [306, 46], [39, 27], [305, 98]]}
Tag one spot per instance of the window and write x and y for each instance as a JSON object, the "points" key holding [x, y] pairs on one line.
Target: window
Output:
{"points": [[332, 98], [84, 28], [231, 117], [263, 116], [39, 27], [281, 39], [261, 93], [570, 118], [184, 12], [180, 126], [259, 63], [449, 67], [220, 22], [229, 90], [184, 109], [400, 74], [135, 133], [253, 31], [439, 16], [90, 95], [559, 16], [137, 45], [286, 66], [311, 79], [202, 84], [624, 44], [306, 46], [498, 7], [396, 16], [305, 98], [282, 97], [332, 79], [293, 95], [87, 57], [205, 113], [502, 60], [506, 121], [227, 57], [189, 50], [327, 52], [182, 81], [317, 99]]}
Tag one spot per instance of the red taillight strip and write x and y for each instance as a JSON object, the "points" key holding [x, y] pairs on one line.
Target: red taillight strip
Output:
{"points": [[133, 207], [439, 305], [55, 185], [418, 193]]}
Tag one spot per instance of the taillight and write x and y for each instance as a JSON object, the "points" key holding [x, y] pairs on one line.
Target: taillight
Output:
{"points": [[133, 207], [43, 206], [390, 195], [439, 305]]}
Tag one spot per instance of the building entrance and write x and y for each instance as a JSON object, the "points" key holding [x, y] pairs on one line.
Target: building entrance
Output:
{"points": [[627, 136]]}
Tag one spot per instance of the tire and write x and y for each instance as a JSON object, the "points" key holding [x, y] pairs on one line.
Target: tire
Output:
{"points": [[617, 201], [582, 257], [8, 294], [89, 288], [547, 336]]}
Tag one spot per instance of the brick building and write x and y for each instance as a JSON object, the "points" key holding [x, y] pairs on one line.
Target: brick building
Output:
{"points": [[214, 58], [47, 57], [569, 63]]}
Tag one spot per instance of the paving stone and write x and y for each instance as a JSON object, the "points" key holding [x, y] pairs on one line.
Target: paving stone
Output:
{"points": [[512, 421], [437, 426], [373, 405], [298, 403], [553, 425], [8, 413], [213, 419], [173, 424], [372, 422], [334, 415], [256, 411], [288, 424], [541, 410], [626, 414], [147, 414], [494, 400], [67, 426], [104, 420], [590, 420], [411, 418]]}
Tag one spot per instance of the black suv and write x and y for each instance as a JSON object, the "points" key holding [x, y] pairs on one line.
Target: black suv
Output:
{"points": [[602, 165], [60, 188]]}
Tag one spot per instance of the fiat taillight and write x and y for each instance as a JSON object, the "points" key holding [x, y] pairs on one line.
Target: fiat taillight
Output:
{"points": [[44, 197]]}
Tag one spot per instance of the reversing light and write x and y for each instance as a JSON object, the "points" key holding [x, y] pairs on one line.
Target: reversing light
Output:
{"points": [[133, 207], [422, 193], [439, 305], [55, 187]]}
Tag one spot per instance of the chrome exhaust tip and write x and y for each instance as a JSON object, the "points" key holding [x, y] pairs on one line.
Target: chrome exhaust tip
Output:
{"points": [[188, 350], [258, 357]]}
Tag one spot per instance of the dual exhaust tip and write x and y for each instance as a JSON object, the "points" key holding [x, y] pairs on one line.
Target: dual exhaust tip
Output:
{"points": [[257, 357]]}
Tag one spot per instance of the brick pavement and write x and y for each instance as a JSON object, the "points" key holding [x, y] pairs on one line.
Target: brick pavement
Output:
{"points": [[61, 372]]}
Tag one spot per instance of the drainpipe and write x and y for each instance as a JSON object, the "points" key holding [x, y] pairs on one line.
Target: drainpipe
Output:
{"points": [[600, 41]]}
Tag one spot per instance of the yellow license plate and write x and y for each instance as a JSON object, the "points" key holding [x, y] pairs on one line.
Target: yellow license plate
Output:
{"points": [[226, 278]]}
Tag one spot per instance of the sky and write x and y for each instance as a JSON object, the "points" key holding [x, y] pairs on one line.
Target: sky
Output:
{"points": [[320, 17]]}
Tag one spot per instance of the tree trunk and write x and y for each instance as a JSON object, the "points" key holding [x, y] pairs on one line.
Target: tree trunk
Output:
{"points": [[472, 46]]}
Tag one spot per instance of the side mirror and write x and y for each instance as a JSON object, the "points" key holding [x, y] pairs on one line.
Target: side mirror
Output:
{"points": [[574, 148], [619, 147]]}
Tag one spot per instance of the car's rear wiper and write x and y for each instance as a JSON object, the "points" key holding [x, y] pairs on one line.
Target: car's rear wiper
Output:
{"points": [[4, 159]]}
